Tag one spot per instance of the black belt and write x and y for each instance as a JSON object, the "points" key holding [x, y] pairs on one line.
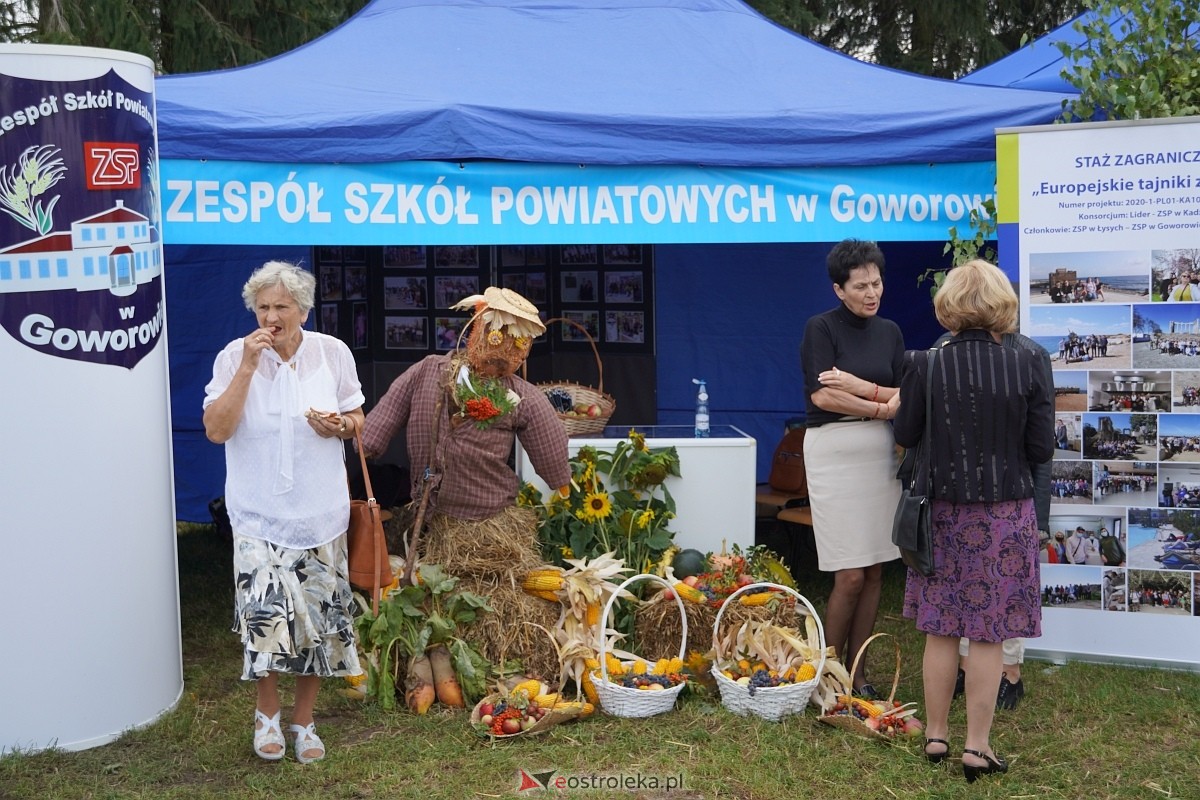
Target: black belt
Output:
{"points": [[849, 419]]}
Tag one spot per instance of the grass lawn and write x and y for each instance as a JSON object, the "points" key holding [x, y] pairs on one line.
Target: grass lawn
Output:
{"points": [[1084, 732]]}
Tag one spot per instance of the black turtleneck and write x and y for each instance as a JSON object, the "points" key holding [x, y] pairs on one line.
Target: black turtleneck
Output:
{"points": [[871, 348]]}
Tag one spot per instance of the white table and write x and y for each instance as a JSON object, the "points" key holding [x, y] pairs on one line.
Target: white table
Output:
{"points": [[714, 495]]}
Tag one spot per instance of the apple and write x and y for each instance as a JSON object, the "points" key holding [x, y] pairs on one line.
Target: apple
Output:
{"points": [[745, 580], [691, 580], [528, 723], [511, 725], [486, 709], [594, 411], [486, 719], [668, 594]]}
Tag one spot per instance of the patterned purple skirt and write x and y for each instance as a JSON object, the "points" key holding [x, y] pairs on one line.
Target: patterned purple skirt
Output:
{"points": [[986, 582]]}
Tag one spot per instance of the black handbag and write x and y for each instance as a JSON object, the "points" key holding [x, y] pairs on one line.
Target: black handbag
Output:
{"points": [[912, 527]]}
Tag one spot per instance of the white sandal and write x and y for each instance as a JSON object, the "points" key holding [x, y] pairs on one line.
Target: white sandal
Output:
{"points": [[268, 734], [306, 739]]}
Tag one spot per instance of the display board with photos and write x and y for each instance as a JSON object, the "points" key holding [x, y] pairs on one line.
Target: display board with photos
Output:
{"points": [[1111, 288], [604, 289], [393, 302]]}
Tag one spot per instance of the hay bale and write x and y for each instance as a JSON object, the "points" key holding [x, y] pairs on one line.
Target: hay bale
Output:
{"points": [[657, 626], [490, 557]]}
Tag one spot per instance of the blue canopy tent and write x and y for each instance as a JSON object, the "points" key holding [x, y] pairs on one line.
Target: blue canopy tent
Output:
{"points": [[631, 83]]}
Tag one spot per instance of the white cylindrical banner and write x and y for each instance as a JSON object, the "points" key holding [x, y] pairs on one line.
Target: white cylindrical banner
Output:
{"points": [[89, 583]]}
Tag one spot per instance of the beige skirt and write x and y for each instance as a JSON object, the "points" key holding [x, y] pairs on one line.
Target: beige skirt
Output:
{"points": [[853, 490]]}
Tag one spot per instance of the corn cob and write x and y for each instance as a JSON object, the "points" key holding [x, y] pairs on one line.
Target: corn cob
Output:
{"points": [[589, 688], [806, 673], [529, 688], [690, 593], [865, 706], [547, 700], [551, 597], [613, 664], [639, 667], [593, 615], [756, 599], [543, 580]]}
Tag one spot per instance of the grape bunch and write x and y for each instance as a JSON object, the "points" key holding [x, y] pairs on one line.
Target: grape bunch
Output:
{"points": [[762, 679], [560, 399]]}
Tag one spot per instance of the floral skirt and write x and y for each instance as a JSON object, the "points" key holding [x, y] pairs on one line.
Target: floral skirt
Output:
{"points": [[292, 609], [986, 581]]}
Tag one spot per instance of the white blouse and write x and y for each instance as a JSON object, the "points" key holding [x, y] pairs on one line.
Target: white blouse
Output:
{"points": [[284, 483]]}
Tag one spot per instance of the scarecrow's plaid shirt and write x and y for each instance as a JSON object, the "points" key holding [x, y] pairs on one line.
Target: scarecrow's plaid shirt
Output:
{"points": [[477, 482]]}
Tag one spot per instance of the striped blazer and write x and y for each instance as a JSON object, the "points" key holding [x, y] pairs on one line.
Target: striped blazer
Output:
{"points": [[993, 413]]}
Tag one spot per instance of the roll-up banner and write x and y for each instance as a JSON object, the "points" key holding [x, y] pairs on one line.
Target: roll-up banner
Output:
{"points": [[1100, 225], [89, 582]]}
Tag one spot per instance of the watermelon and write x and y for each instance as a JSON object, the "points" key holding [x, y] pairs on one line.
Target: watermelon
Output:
{"points": [[689, 562]]}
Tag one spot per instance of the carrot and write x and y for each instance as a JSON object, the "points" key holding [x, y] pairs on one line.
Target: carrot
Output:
{"points": [[445, 683], [419, 682]]}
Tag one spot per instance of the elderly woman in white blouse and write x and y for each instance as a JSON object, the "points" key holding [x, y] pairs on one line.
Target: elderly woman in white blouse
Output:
{"points": [[280, 400]]}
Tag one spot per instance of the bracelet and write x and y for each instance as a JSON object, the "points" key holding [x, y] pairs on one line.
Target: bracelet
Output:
{"points": [[876, 414], [875, 399], [342, 427]]}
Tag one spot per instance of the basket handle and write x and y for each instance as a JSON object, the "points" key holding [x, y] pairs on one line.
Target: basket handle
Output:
{"points": [[862, 650], [747, 589], [612, 598], [591, 341]]}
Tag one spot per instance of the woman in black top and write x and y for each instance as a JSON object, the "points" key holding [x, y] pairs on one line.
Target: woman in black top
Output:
{"points": [[852, 360], [992, 418]]}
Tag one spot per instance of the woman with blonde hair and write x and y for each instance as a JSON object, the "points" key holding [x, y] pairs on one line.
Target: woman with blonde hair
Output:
{"points": [[995, 420]]}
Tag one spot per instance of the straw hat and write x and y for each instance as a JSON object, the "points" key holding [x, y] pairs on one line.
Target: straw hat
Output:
{"points": [[504, 309]]}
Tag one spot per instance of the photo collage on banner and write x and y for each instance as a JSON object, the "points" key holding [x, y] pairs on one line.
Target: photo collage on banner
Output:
{"points": [[1107, 229]]}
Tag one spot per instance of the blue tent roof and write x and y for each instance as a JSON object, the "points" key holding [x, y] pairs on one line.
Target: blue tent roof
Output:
{"points": [[1040, 64], [598, 82]]}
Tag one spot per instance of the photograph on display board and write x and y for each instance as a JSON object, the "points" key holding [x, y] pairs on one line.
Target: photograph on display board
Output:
{"points": [[331, 282], [449, 289], [404, 256], [579, 287], [623, 287], [1114, 595], [1180, 485], [1175, 275], [570, 254], [1071, 587], [1156, 592], [1185, 390], [354, 255], [535, 255], [625, 327], [329, 318], [405, 333], [1070, 391], [447, 331], [1094, 336], [1128, 437], [535, 289], [1068, 437], [1129, 390], [1116, 277], [1166, 336], [361, 322], [329, 254], [516, 282], [1083, 536], [356, 283], [1125, 483], [1196, 595], [1162, 538], [456, 256], [1071, 482], [512, 255], [401, 293], [1179, 437], [622, 254], [590, 320]]}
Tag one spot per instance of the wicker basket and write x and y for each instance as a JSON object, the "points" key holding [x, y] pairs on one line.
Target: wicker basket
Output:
{"points": [[848, 722], [622, 701], [769, 702], [584, 426], [553, 716]]}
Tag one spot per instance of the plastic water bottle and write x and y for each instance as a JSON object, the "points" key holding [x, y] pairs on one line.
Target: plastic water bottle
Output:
{"points": [[701, 409]]}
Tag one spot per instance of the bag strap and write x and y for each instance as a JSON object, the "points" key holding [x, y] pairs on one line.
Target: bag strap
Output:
{"points": [[376, 522], [922, 458]]}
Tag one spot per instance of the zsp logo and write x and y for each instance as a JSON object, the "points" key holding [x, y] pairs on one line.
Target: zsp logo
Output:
{"points": [[112, 165]]}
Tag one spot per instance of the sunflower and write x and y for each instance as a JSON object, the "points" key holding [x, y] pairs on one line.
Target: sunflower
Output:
{"points": [[597, 505], [638, 440], [645, 518]]}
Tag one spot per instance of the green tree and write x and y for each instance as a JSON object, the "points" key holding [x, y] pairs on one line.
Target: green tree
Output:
{"points": [[178, 35], [942, 38], [1142, 67]]}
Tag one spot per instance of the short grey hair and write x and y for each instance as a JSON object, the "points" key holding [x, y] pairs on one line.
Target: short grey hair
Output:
{"points": [[299, 282]]}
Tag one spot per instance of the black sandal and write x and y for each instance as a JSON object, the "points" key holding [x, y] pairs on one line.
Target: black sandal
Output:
{"points": [[936, 758]]}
